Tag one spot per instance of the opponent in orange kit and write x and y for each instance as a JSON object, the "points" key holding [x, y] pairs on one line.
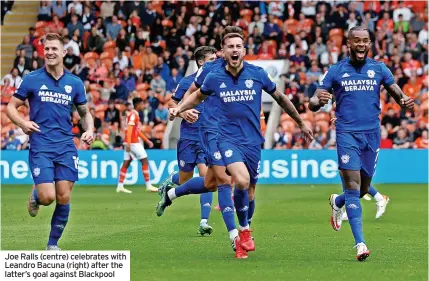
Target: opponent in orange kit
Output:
{"points": [[134, 149]]}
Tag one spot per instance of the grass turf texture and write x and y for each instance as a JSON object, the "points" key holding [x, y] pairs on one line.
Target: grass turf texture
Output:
{"points": [[294, 240]]}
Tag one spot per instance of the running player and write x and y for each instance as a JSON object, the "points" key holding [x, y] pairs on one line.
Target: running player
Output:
{"points": [[134, 149], [237, 88], [51, 92], [189, 150], [356, 84]]}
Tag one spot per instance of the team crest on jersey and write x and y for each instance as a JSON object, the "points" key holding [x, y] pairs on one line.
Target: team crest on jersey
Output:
{"points": [[371, 73], [249, 83], [36, 172], [182, 163], [228, 153], [345, 158], [68, 89], [217, 155]]}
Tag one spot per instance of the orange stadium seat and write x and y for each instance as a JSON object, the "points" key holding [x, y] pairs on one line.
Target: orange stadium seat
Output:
{"points": [[109, 47], [167, 23], [246, 14], [292, 25], [121, 107], [142, 95], [91, 58], [336, 31], [279, 22], [142, 87], [107, 59], [85, 38]]}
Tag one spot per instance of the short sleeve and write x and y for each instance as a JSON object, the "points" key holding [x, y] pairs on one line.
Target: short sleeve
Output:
{"points": [[327, 79], [180, 91], [24, 90], [267, 82], [202, 74], [80, 97], [207, 86], [387, 78]]}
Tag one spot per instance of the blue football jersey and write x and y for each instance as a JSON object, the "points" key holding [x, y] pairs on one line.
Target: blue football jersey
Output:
{"points": [[239, 99], [209, 120], [188, 131], [51, 103], [357, 93]]}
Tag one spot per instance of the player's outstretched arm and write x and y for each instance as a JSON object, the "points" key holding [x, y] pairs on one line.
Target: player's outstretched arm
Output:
{"points": [[319, 99], [193, 100], [88, 123], [12, 113], [290, 109], [403, 100]]}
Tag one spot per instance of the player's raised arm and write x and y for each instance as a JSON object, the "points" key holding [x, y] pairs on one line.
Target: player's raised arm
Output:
{"points": [[12, 113]]}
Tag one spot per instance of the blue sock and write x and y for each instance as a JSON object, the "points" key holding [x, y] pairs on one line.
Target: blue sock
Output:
{"points": [[372, 191], [192, 186], [58, 223], [206, 204], [341, 199], [241, 202], [36, 196], [251, 211], [354, 213], [176, 178], [226, 206]]}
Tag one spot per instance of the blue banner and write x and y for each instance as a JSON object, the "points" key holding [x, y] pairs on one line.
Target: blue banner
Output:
{"points": [[277, 167]]}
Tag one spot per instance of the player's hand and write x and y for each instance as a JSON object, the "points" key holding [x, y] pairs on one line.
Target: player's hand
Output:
{"points": [[191, 115], [127, 147], [150, 144], [30, 127], [88, 137], [324, 97], [407, 103], [307, 133], [172, 113]]}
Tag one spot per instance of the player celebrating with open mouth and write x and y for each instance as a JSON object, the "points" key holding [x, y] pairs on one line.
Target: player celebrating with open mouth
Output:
{"points": [[237, 86], [356, 82]]}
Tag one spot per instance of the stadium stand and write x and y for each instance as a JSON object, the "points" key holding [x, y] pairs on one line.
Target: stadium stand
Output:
{"points": [[126, 49]]}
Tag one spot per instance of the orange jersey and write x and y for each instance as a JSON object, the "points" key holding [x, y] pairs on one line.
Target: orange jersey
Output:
{"points": [[133, 121]]}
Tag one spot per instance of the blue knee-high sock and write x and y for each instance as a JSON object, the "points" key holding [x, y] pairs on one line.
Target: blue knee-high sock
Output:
{"points": [[58, 223], [176, 178], [372, 190], [241, 202], [206, 204], [341, 199], [251, 211], [36, 196], [192, 186], [226, 206], [354, 213]]}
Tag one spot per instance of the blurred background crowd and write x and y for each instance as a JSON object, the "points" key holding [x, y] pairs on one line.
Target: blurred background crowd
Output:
{"points": [[124, 49]]}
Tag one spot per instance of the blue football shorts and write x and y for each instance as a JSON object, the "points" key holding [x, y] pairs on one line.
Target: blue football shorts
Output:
{"points": [[58, 165], [358, 151], [208, 141], [189, 155], [250, 155]]}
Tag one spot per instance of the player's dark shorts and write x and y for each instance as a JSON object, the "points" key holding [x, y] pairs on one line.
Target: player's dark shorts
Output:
{"points": [[250, 155], [358, 151], [189, 154], [57, 165], [208, 141]]}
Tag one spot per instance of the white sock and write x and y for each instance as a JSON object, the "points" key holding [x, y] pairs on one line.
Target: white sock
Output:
{"points": [[244, 227], [120, 185], [148, 184], [172, 194], [378, 197], [203, 221], [232, 234]]}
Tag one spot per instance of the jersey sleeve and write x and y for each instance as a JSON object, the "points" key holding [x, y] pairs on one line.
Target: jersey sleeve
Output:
{"points": [[207, 87], [327, 79], [387, 76], [80, 97], [202, 74], [24, 89], [180, 91], [267, 82]]}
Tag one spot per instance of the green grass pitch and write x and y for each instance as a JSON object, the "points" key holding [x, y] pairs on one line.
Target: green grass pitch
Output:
{"points": [[294, 240]]}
